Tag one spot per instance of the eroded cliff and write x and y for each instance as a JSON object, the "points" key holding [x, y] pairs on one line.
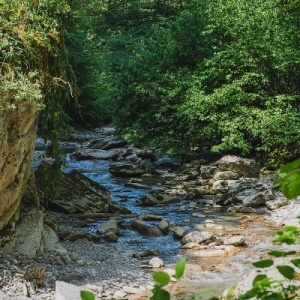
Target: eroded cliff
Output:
{"points": [[17, 139]]}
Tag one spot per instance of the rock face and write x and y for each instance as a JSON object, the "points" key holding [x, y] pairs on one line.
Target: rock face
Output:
{"points": [[17, 140], [79, 194]]}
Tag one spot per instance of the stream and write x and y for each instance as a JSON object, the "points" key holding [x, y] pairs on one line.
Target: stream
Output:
{"points": [[215, 273], [181, 213]]}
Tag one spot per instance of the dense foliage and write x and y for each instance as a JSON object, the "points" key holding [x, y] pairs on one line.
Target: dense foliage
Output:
{"points": [[220, 75], [34, 64]]}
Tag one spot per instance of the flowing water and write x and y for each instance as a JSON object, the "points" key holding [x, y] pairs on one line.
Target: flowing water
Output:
{"points": [[179, 213]]}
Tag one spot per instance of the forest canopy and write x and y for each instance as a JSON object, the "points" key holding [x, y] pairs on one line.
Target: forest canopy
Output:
{"points": [[220, 75]]}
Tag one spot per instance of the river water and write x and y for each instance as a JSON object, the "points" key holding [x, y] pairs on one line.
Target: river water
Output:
{"points": [[214, 273], [181, 213]]}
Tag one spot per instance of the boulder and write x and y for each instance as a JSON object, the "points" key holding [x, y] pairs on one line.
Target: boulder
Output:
{"points": [[156, 262], [237, 240], [219, 186], [157, 198], [196, 237], [79, 194], [111, 237], [179, 232], [207, 172], [164, 226], [124, 169], [242, 166], [108, 144], [146, 230], [254, 200], [109, 226], [86, 154]]}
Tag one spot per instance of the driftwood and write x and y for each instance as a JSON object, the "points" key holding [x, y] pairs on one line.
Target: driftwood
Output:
{"points": [[101, 216]]}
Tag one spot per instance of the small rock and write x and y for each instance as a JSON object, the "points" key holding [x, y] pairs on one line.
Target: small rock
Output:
{"points": [[237, 240], [156, 262]]}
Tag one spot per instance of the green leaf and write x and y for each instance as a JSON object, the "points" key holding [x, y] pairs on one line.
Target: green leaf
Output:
{"points": [[289, 167], [287, 271], [85, 295], [160, 294], [278, 253], [259, 279], [180, 267], [263, 263], [290, 185], [296, 262], [161, 278], [249, 294]]}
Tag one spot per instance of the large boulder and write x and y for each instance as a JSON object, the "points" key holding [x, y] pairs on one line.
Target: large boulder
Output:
{"points": [[79, 194], [242, 166]]}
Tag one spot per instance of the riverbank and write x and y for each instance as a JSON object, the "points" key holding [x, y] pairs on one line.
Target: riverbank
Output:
{"points": [[195, 193]]}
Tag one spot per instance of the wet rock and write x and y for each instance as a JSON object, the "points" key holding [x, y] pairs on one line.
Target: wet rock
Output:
{"points": [[79, 194], [122, 169], [156, 262], [164, 226], [86, 154], [111, 237], [207, 172], [254, 200], [147, 230], [108, 144], [82, 235], [150, 217], [157, 198], [189, 174], [166, 162], [148, 252], [242, 166], [109, 226], [179, 232]]}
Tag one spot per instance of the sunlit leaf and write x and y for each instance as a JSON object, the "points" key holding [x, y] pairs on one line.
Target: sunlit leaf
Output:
{"points": [[161, 278], [85, 295], [261, 279], [180, 267]]}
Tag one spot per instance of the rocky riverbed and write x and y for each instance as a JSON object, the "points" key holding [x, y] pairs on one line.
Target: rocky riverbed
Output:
{"points": [[219, 247]]}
